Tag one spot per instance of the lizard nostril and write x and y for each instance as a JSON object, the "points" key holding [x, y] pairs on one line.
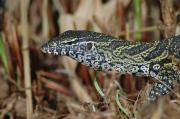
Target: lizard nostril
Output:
{"points": [[69, 43]]}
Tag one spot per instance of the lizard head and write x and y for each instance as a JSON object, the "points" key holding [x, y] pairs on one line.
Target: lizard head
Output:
{"points": [[83, 46]]}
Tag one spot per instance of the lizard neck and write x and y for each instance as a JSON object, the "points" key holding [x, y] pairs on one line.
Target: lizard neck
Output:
{"points": [[174, 46]]}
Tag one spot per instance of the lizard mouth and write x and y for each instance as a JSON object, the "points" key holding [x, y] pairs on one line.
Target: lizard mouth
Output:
{"points": [[56, 50]]}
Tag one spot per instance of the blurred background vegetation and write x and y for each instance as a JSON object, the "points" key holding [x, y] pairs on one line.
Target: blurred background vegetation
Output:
{"points": [[34, 85]]}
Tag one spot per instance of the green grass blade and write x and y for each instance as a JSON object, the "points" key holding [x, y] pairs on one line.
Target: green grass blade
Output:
{"points": [[3, 55], [121, 108], [137, 8], [99, 90]]}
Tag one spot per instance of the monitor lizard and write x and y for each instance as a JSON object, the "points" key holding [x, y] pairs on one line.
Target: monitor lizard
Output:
{"points": [[99, 51]]}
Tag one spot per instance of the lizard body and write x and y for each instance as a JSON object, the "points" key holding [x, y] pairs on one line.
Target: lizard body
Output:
{"points": [[104, 52]]}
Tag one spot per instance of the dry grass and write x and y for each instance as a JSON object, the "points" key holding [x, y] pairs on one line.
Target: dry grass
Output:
{"points": [[40, 86]]}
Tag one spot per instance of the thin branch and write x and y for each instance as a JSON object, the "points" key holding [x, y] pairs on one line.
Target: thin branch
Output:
{"points": [[169, 17], [26, 57], [145, 29]]}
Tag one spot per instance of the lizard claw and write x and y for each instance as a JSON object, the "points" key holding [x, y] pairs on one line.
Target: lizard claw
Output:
{"points": [[160, 89]]}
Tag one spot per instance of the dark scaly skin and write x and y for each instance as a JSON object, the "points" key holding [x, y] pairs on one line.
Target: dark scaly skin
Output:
{"points": [[102, 52]]}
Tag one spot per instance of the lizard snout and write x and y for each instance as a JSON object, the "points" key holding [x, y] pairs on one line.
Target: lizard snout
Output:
{"points": [[44, 48]]}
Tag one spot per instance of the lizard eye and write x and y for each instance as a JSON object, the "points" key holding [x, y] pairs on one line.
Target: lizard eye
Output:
{"points": [[89, 46]]}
